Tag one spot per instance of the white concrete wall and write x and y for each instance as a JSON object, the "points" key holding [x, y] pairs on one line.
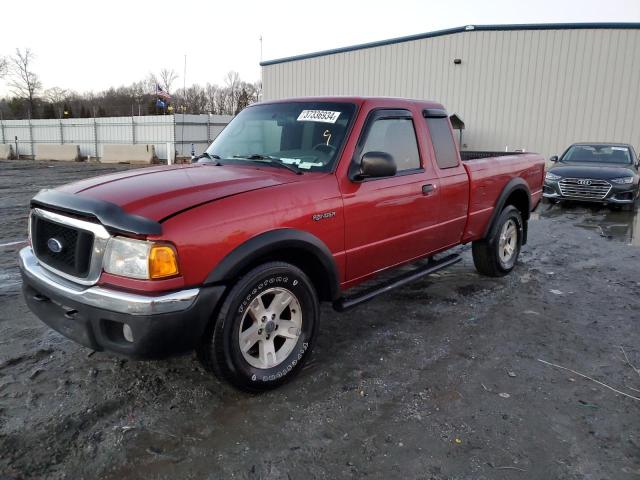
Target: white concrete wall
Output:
{"points": [[50, 151], [538, 90], [122, 153], [6, 152]]}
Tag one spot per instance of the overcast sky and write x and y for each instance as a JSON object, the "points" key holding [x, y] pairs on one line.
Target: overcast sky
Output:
{"points": [[87, 45]]}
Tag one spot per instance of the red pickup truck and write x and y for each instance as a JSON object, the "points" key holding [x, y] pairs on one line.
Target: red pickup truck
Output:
{"points": [[294, 203]]}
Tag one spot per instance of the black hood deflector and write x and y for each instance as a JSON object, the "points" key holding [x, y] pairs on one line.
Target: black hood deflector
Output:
{"points": [[110, 215]]}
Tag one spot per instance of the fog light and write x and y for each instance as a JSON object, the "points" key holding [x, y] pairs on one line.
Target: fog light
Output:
{"points": [[127, 333]]}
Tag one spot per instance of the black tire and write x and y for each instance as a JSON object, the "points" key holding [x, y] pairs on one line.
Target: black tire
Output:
{"points": [[486, 256], [220, 352]]}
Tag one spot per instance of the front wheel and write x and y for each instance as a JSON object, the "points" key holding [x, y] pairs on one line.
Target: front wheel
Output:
{"points": [[265, 329], [496, 255]]}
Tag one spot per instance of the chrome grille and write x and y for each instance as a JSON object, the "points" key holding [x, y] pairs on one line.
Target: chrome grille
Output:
{"points": [[73, 257], [584, 188], [83, 244]]}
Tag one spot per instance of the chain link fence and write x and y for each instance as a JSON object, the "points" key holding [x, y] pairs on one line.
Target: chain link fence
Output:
{"points": [[178, 132]]}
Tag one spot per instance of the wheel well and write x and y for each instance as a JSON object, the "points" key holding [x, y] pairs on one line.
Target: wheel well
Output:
{"points": [[519, 199], [305, 261]]}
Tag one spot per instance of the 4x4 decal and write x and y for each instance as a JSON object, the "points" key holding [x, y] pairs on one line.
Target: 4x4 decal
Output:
{"points": [[322, 216]]}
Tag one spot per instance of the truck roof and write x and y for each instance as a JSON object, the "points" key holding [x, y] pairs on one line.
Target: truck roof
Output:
{"points": [[359, 100]]}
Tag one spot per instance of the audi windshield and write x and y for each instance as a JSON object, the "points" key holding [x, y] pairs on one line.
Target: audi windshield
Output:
{"points": [[305, 135], [613, 154]]}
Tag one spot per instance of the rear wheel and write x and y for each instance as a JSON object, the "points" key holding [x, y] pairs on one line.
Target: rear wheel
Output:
{"points": [[497, 254], [265, 329]]}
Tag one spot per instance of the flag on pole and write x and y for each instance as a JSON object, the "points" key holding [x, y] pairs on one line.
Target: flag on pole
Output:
{"points": [[160, 93]]}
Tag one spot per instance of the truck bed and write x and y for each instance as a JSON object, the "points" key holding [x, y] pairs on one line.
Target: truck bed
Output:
{"points": [[488, 175]]}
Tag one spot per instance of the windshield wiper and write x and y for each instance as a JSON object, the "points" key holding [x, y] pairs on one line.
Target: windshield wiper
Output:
{"points": [[260, 158]]}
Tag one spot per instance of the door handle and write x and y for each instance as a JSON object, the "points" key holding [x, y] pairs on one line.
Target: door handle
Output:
{"points": [[428, 189]]}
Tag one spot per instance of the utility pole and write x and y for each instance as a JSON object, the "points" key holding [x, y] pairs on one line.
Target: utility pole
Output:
{"points": [[184, 95]]}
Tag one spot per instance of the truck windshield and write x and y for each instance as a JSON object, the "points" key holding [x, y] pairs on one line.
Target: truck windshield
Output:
{"points": [[597, 154], [305, 135]]}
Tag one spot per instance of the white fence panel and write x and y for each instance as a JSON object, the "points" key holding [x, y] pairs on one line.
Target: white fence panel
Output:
{"points": [[178, 131], [18, 129], [199, 130], [80, 131], [156, 130]]}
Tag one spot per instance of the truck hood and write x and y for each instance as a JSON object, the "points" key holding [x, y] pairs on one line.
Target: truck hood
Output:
{"points": [[595, 171], [159, 192]]}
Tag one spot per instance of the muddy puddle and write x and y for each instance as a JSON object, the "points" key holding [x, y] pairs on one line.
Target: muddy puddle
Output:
{"points": [[616, 225]]}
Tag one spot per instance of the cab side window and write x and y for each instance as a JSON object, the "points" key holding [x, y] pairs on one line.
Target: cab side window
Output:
{"points": [[397, 137], [443, 144]]}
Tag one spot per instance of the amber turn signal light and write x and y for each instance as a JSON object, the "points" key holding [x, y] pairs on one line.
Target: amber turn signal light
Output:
{"points": [[163, 262]]}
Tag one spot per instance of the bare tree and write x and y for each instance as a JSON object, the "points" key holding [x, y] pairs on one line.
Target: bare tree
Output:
{"points": [[138, 92], [151, 82], [257, 91], [211, 91], [192, 100], [137, 98], [167, 77], [56, 97], [3, 67], [232, 81], [25, 83]]}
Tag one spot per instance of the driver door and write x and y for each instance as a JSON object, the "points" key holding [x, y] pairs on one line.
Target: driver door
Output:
{"points": [[389, 220]]}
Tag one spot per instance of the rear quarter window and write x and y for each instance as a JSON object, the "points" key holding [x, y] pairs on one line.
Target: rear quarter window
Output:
{"points": [[443, 143]]}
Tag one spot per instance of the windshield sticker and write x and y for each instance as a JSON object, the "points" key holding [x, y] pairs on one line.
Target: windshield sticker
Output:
{"points": [[308, 165], [624, 149], [325, 116], [300, 163]]}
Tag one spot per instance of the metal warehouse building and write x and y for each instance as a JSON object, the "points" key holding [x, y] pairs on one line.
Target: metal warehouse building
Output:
{"points": [[533, 87]]}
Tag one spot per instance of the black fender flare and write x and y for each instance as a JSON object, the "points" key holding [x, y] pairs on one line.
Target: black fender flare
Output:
{"points": [[244, 256], [513, 185]]}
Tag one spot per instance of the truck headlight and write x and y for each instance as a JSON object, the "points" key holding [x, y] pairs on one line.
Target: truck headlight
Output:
{"points": [[140, 259], [622, 180], [552, 177]]}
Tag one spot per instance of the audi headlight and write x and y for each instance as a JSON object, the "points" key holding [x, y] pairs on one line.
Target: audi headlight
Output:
{"points": [[140, 259], [552, 177], [622, 180]]}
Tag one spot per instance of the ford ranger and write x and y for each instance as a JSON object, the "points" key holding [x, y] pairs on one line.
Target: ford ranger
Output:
{"points": [[295, 203]]}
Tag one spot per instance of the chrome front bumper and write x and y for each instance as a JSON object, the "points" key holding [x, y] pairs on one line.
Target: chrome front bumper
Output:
{"points": [[105, 298]]}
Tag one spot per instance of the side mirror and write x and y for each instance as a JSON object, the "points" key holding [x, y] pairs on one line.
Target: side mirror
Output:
{"points": [[376, 164], [554, 159]]}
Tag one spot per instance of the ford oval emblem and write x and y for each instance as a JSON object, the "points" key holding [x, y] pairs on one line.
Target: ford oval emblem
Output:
{"points": [[54, 245]]}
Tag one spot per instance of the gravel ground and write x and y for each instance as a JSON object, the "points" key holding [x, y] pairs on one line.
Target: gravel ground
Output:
{"points": [[438, 380]]}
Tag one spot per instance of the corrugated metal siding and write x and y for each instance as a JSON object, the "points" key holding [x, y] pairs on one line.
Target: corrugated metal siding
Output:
{"points": [[539, 90]]}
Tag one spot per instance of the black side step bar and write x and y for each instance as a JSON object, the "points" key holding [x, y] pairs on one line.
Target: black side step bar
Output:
{"points": [[346, 303]]}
